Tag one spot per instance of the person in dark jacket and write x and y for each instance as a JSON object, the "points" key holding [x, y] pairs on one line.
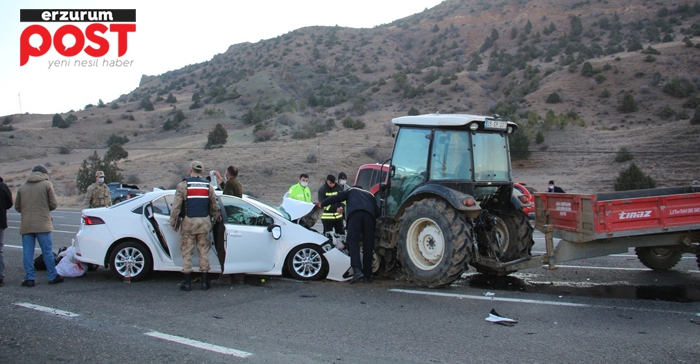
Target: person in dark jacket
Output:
{"points": [[232, 186], [5, 203], [553, 188], [332, 217], [362, 211]]}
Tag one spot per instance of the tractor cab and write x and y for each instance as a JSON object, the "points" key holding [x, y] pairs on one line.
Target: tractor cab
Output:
{"points": [[455, 155]]}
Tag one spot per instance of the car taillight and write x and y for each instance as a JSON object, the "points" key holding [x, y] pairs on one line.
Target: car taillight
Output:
{"points": [[523, 199], [92, 220], [128, 196]]}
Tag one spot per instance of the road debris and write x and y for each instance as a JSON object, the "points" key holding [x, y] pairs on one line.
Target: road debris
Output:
{"points": [[496, 318]]}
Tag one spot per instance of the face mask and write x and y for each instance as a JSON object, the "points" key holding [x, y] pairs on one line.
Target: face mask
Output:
{"points": [[342, 182], [101, 180], [304, 184]]}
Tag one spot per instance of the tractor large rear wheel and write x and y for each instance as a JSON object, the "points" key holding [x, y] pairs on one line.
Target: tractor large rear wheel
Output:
{"points": [[434, 243]]}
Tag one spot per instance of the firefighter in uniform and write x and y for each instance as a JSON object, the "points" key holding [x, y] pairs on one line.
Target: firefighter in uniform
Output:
{"points": [[97, 194], [196, 197], [332, 217]]}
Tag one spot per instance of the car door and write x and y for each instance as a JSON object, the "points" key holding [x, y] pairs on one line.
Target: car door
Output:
{"points": [[161, 213], [250, 247], [161, 209]]}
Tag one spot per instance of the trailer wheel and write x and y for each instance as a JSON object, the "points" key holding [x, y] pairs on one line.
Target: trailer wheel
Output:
{"points": [[434, 243], [658, 257]]}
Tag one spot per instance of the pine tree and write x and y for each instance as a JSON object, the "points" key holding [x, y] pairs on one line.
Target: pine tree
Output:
{"points": [[628, 104], [633, 178], [217, 138]]}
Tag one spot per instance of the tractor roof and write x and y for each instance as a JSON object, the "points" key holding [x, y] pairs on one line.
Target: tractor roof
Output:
{"points": [[443, 120]]}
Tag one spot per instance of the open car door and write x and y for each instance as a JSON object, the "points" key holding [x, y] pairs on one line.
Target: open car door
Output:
{"points": [[249, 246]]}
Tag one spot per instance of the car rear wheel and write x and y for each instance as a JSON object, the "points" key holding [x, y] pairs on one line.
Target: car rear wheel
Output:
{"points": [[131, 259], [306, 263]]}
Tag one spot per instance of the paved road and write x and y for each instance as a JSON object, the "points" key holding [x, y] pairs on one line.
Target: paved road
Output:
{"points": [[608, 309]]}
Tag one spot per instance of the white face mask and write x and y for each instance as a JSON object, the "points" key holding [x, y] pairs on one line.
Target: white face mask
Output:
{"points": [[304, 184], [101, 180], [342, 182]]}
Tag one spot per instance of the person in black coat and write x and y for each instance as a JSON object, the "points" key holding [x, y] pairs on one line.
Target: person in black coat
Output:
{"points": [[362, 211], [553, 188], [5, 203]]}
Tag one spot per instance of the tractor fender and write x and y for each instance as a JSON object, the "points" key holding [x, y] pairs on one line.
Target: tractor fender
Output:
{"points": [[453, 197], [515, 204]]}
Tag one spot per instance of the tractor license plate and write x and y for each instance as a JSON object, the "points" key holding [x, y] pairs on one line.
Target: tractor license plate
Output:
{"points": [[495, 124]]}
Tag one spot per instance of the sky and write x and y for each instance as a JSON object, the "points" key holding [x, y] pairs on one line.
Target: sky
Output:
{"points": [[169, 35]]}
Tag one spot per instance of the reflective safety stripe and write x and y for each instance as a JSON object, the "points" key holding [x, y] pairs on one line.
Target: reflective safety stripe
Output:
{"points": [[331, 216]]}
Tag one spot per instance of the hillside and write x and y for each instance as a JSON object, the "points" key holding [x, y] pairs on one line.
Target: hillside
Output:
{"points": [[284, 101]]}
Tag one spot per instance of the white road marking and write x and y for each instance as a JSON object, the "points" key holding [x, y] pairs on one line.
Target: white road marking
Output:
{"points": [[609, 268], [199, 344], [50, 310], [53, 231], [491, 298], [540, 302]]}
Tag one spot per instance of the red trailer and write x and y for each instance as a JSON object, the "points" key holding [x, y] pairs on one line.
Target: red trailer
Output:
{"points": [[660, 223]]}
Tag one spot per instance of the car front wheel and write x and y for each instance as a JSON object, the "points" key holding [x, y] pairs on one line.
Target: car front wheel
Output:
{"points": [[130, 259], [306, 263]]}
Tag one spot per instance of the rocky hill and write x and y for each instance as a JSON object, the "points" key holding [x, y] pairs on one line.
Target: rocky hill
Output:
{"points": [[319, 100]]}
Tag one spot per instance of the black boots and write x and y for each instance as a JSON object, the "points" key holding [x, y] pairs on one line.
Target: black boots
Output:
{"points": [[186, 285], [205, 281]]}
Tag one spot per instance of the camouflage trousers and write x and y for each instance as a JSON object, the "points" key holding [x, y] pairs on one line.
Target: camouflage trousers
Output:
{"points": [[187, 242]]}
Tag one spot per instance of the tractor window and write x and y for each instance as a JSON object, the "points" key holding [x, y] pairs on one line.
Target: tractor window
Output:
{"points": [[410, 162], [491, 160], [451, 157]]}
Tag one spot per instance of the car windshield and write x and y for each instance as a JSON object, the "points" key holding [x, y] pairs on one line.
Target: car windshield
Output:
{"points": [[278, 209]]}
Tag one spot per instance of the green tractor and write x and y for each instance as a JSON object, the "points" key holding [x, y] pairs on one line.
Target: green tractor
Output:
{"points": [[449, 202]]}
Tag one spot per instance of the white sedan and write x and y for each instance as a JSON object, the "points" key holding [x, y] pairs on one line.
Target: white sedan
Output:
{"points": [[134, 237]]}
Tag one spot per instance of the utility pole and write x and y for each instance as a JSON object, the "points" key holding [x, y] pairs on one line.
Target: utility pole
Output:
{"points": [[318, 158], [20, 103]]}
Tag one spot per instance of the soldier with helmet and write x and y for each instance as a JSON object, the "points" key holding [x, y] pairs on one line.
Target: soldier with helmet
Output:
{"points": [[97, 194], [195, 203]]}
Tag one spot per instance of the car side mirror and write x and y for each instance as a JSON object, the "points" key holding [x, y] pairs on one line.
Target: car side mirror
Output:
{"points": [[275, 230], [149, 211]]}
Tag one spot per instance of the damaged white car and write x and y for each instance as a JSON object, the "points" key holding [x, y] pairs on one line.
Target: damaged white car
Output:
{"points": [[134, 237]]}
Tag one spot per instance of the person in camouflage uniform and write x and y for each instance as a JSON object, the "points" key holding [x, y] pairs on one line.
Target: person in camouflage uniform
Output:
{"points": [[196, 196], [97, 194]]}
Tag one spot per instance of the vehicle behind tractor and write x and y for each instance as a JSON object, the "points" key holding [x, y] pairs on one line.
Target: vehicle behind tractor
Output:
{"points": [[448, 202]]}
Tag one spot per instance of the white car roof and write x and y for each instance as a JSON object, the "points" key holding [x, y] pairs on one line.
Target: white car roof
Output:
{"points": [[441, 119]]}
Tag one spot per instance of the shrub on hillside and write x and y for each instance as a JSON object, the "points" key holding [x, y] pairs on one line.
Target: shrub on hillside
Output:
{"points": [[217, 137], [115, 139], [171, 99], [553, 98], [115, 153], [58, 122], [696, 116], [263, 135], [539, 138], [519, 145], [623, 155], [628, 104], [679, 87], [413, 111], [633, 178]]}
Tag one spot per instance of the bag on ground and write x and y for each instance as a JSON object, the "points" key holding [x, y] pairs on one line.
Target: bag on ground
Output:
{"points": [[69, 266]]}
